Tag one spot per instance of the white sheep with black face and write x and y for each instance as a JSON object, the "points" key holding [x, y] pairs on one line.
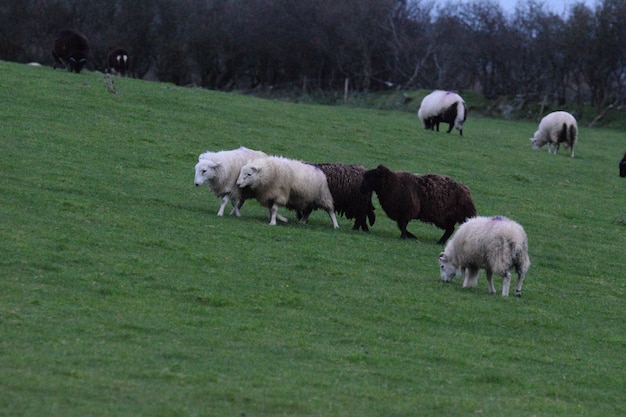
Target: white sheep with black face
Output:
{"points": [[276, 181], [556, 128], [495, 244], [219, 170], [443, 106]]}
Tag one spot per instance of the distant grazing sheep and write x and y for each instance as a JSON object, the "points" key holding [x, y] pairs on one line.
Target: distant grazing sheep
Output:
{"points": [[71, 50], [220, 171], [622, 167], [277, 181], [431, 198], [118, 61], [495, 244], [556, 128], [443, 106], [344, 181]]}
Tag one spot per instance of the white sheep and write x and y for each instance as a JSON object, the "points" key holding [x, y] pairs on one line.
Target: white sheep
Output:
{"points": [[556, 128], [220, 171], [495, 244], [443, 106], [277, 181]]}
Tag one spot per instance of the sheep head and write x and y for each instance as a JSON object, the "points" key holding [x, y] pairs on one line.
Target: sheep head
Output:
{"points": [[372, 179], [535, 143], [446, 269], [206, 170], [247, 176]]}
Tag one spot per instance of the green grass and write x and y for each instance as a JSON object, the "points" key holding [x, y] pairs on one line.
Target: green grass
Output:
{"points": [[123, 294]]}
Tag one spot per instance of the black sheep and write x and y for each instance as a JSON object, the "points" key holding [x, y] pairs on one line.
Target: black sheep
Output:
{"points": [[431, 198], [70, 50], [622, 167], [118, 61], [344, 181]]}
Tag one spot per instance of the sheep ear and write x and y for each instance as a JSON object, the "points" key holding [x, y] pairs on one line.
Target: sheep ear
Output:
{"points": [[442, 256]]}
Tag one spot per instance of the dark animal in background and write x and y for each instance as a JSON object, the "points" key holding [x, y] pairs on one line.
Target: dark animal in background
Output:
{"points": [[622, 167], [71, 50], [344, 182], [118, 61], [431, 198]]}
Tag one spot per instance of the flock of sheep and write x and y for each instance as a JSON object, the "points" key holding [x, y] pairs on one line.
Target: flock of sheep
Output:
{"points": [[496, 244]]}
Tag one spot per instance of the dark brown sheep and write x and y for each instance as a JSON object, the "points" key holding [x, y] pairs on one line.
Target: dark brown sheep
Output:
{"points": [[344, 181], [70, 50], [431, 198], [118, 61]]}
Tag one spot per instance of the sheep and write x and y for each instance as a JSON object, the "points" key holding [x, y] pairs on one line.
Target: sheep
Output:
{"points": [[555, 128], [278, 181], [443, 106], [622, 167], [118, 61], [344, 181], [220, 171], [495, 244], [70, 50], [431, 198]]}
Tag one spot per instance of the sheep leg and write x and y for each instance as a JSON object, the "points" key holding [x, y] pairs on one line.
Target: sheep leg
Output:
{"points": [[225, 201], [282, 218], [331, 213], [273, 214], [506, 284], [403, 232], [303, 218], [236, 206], [446, 235], [518, 286], [360, 222], [492, 289], [470, 278], [450, 128]]}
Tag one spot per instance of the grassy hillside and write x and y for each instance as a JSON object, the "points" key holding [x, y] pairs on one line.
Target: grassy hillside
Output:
{"points": [[123, 294]]}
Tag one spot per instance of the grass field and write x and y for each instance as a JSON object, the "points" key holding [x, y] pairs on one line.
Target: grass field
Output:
{"points": [[123, 294]]}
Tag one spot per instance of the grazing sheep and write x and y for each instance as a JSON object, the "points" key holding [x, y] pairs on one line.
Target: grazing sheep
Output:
{"points": [[278, 181], [118, 61], [344, 181], [622, 167], [495, 244], [443, 106], [431, 198], [71, 50], [220, 171], [556, 128]]}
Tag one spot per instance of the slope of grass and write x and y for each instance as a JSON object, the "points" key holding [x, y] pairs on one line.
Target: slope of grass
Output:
{"points": [[122, 293]]}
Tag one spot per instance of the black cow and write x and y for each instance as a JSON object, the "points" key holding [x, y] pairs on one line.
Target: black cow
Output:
{"points": [[70, 50]]}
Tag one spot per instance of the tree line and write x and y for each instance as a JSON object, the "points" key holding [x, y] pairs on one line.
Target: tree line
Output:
{"points": [[575, 57]]}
